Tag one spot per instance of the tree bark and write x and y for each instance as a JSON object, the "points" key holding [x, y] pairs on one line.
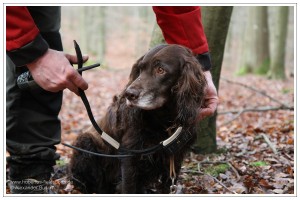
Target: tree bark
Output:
{"points": [[83, 38], [279, 32], [101, 32], [255, 42], [262, 41], [157, 37], [216, 22]]}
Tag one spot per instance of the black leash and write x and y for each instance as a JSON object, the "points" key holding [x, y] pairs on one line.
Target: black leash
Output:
{"points": [[96, 154]]}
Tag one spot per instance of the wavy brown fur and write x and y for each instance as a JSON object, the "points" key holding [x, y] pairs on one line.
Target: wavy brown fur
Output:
{"points": [[136, 128]]}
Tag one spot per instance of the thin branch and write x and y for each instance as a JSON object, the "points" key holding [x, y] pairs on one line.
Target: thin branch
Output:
{"points": [[289, 157], [282, 106], [205, 162], [222, 184], [266, 138], [235, 171], [192, 171], [259, 109], [256, 90], [199, 172], [233, 118]]}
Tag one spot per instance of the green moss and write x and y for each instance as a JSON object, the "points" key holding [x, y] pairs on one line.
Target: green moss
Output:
{"points": [[259, 164], [216, 170], [287, 90], [60, 163], [243, 71], [263, 68]]}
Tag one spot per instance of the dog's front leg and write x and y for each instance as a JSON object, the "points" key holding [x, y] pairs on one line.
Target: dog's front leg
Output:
{"points": [[128, 168]]}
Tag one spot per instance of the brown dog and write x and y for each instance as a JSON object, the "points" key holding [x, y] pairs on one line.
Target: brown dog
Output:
{"points": [[164, 92]]}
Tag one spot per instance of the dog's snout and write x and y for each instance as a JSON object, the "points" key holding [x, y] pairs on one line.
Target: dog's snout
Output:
{"points": [[132, 94]]}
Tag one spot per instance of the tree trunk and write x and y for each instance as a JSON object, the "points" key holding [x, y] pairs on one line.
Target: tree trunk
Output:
{"points": [[279, 32], [216, 22], [157, 37], [101, 33], [262, 40], [83, 38], [255, 43]]}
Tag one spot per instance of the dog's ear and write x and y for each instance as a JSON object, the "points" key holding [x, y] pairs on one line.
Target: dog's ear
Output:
{"points": [[189, 91], [135, 71], [134, 74]]}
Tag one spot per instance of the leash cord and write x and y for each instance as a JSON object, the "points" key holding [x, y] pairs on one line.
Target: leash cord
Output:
{"points": [[89, 111], [122, 151], [96, 154]]}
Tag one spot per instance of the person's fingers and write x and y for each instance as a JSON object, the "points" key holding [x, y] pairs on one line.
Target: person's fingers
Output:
{"points": [[73, 58], [204, 112], [208, 109], [74, 76], [85, 58], [77, 80], [70, 85], [53, 72], [80, 82]]}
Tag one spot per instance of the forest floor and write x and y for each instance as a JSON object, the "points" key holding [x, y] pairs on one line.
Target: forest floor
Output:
{"points": [[255, 149]]}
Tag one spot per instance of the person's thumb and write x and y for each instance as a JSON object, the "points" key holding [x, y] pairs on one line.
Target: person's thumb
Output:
{"points": [[204, 112]]}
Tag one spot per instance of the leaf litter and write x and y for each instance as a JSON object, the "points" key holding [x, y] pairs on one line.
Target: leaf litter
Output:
{"points": [[244, 163]]}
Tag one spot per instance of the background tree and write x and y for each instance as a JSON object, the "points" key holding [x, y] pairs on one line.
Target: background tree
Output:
{"points": [[157, 36], [255, 42], [278, 42], [92, 33], [125, 32], [145, 17], [101, 32], [216, 23]]}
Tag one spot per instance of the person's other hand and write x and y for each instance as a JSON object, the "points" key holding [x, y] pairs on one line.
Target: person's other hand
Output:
{"points": [[53, 72], [211, 98]]}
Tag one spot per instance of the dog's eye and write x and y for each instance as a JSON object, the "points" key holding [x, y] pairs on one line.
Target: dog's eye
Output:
{"points": [[160, 70]]}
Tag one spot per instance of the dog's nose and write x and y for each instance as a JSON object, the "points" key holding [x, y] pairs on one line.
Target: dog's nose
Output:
{"points": [[132, 94]]}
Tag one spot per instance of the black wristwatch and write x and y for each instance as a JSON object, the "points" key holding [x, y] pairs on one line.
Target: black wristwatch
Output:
{"points": [[204, 60]]}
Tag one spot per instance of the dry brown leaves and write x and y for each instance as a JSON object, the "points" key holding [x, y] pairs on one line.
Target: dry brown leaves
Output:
{"points": [[255, 165]]}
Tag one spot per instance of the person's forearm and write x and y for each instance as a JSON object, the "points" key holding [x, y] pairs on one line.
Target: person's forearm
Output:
{"points": [[182, 25], [24, 43]]}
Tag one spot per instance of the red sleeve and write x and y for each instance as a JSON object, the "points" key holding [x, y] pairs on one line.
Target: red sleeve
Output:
{"points": [[20, 27], [182, 25]]}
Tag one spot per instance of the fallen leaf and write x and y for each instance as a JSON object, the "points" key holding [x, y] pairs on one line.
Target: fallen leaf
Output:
{"points": [[278, 191], [265, 184], [238, 188]]}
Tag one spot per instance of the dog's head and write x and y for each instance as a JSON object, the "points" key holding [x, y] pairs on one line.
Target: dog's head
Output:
{"points": [[166, 73]]}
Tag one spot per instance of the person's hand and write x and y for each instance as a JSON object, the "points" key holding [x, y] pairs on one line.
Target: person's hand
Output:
{"points": [[53, 72], [210, 100]]}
